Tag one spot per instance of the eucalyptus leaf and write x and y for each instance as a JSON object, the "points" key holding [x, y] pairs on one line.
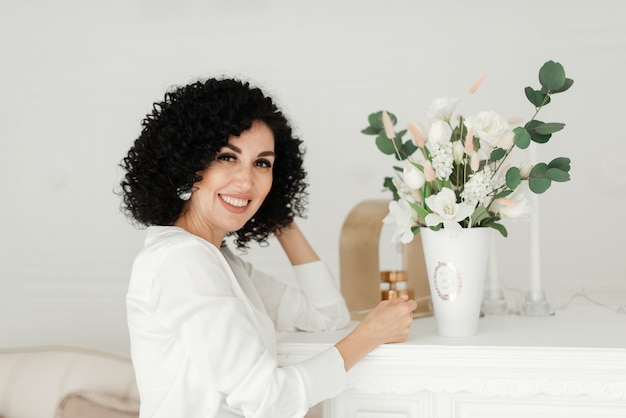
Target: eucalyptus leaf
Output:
{"points": [[497, 154], [552, 76], [513, 178], [561, 163], [534, 135], [536, 97], [408, 148], [385, 145], [568, 83], [539, 185], [521, 137], [538, 170], [549, 128], [557, 175], [503, 193], [370, 130], [376, 119]]}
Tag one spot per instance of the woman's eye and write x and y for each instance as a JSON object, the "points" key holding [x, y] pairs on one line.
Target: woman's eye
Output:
{"points": [[226, 157], [264, 164]]}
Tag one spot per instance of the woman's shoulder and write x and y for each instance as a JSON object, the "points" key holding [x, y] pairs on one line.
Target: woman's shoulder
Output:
{"points": [[175, 241]]}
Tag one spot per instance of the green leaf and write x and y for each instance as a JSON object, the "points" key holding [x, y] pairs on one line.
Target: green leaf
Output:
{"points": [[538, 170], [479, 215], [497, 154], [385, 145], [539, 185], [500, 228], [370, 130], [376, 119], [503, 193], [421, 211], [549, 128], [558, 175], [534, 135], [562, 163], [536, 97], [388, 184], [521, 138], [568, 83], [551, 76], [513, 178], [408, 148]]}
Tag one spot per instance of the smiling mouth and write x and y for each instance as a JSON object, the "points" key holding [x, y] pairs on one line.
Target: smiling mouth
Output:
{"points": [[239, 203]]}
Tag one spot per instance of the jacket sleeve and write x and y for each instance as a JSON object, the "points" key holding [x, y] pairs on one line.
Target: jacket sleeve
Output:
{"points": [[192, 296], [308, 301]]}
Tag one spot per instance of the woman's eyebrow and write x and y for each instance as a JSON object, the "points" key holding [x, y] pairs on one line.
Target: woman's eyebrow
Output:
{"points": [[261, 154], [233, 147]]}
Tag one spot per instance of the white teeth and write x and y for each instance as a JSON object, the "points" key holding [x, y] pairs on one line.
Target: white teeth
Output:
{"points": [[235, 202]]}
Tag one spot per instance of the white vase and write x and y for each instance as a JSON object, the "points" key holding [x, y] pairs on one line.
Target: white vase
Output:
{"points": [[457, 266]]}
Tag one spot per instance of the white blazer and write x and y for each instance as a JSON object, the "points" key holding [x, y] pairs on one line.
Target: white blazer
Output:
{"points": [[202, 329]]}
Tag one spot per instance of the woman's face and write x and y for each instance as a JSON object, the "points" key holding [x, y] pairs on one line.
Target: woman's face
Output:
{"points": [[234, 186]]}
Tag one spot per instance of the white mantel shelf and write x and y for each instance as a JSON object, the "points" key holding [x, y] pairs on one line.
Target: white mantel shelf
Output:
{"points": [[572, 364]]}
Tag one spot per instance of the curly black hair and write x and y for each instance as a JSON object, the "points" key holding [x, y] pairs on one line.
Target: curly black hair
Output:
{"points": [[182, 136]]}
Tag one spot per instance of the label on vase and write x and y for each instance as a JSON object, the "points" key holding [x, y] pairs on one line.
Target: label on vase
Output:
{"points": [[447, 281]]}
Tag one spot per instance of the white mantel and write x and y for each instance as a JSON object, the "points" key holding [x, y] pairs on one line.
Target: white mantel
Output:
{"points": [[572, 364]]}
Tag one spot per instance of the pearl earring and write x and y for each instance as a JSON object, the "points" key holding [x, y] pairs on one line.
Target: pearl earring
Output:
{"points": [[183, 193]]}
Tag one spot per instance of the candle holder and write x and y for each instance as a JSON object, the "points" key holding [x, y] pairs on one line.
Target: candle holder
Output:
{"points": [[493, 301], [494, 306], [535, 304]]}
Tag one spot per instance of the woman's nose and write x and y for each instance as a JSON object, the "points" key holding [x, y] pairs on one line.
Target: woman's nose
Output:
{"points": [[244, 175]]}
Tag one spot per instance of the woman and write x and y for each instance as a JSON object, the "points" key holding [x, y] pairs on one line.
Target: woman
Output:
{"points": [[216, 158]]}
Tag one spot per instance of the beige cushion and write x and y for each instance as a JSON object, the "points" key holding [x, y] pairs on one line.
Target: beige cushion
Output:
{"points": [[86, 404], [47, 374]]}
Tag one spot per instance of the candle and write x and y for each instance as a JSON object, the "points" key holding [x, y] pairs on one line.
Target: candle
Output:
{"points": [[535, 271], [494, 288]]}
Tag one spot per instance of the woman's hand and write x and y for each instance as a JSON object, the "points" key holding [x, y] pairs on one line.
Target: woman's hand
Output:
{"points": [[295, 245], [389, 322]]}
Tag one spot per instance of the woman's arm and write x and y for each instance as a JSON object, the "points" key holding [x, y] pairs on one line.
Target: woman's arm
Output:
{"points": [[296, 246], [389, 322]]}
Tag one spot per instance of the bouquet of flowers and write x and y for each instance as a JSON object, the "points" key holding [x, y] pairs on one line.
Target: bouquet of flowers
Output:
{"points": [[456, 175]]}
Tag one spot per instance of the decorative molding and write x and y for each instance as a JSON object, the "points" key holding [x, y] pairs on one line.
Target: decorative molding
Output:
{"points": [[512, 387]]}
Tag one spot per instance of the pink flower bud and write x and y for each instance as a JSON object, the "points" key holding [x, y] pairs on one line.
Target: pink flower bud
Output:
{"points": [[514, 121], [429, 173], [475, 161], [477, 83], [419, 140]]}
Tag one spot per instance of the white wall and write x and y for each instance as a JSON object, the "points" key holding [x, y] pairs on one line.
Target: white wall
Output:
{"points": [[77, 77]]}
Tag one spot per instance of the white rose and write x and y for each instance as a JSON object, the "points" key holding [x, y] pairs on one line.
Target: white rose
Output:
{"points": [[442, 108], [488, 126]]}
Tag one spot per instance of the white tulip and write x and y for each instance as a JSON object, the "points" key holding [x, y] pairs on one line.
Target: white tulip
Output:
{"points": [[413, 177]]}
